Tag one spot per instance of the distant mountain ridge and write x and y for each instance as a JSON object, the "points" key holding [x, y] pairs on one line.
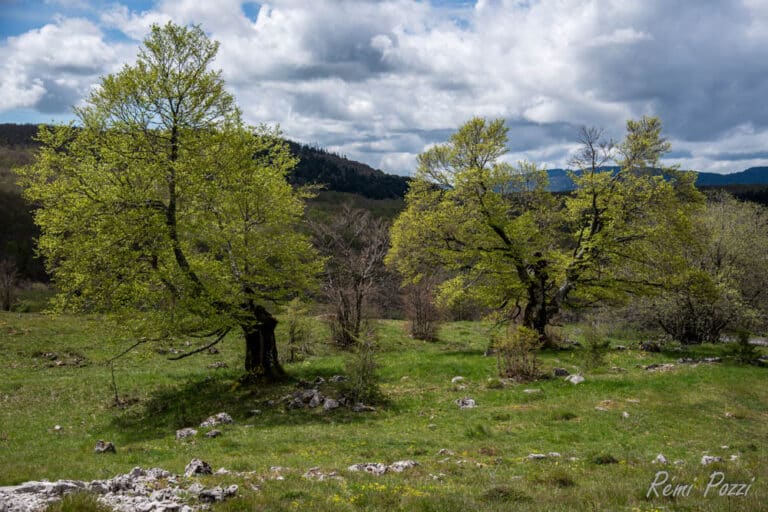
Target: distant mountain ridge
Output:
{"points": [[560, 180], [316, 166]]}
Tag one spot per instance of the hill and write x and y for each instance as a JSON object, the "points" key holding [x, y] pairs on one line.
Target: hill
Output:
{"points": [[316, 166]]}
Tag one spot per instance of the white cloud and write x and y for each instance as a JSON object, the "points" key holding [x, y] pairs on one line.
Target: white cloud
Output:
{"points": [[382, 80]]}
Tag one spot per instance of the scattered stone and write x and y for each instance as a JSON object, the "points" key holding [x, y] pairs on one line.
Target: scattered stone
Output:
{"points": [[625, 414], [724, 447], [360, 407], [216, 494], [432, 426], [618, 369], [255, 412], [213, 350], [575, 379], [690, 360], [185, 432], [338, 378], [679, 462], [197, 467], [466, 403], [729, 415], [401, 465], [213, 433], [317, 474], [330, 404], [217, 419], [734, 457], [632, 401], [601, 408], [561, 372], [660, 459], [278, 469], [706, 460], [375, 468], [446, 451], [57, 427], [661, 367], [218, 364], [104, 447], [536, 456], [649, 346], [554, 454], [139, 490], [318, 381], [457, 379], [531, 391], [222, 471], [438, 476], [621, 347]]}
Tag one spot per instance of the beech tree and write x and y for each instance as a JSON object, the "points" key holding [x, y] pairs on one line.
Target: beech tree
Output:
{"points": [[513, 245], [163, 207]]}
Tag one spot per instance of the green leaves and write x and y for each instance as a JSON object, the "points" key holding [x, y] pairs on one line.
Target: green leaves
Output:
{"points": [[505, 239], [163, 202]]}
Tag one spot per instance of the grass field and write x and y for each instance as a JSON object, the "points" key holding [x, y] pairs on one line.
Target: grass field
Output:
{"points": [[606, 457]]}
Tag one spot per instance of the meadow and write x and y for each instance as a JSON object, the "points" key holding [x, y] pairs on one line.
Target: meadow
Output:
{"points": [[607, 430]]}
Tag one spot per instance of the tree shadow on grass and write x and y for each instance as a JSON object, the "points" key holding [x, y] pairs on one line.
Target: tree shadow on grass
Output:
{"points": [[170, 408]]}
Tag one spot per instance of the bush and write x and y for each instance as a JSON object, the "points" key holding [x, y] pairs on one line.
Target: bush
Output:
{"points": [[363, 383], [420, 309], [517, 354], [299, 330], [595, 344], [743, 351]]}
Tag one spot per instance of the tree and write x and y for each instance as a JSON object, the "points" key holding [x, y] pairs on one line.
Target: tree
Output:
{"points": [[725, 282], [517, 247], [354, 243], [164, 208]]}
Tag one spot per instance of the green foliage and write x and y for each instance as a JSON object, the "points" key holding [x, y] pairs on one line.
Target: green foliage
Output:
{"points": [[743, 351], [724, 281], [164, 203], [517, 353], [510, 244]]}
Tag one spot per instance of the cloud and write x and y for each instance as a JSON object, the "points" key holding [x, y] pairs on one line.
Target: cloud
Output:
{"points": [[52, 67], [382, 80]]}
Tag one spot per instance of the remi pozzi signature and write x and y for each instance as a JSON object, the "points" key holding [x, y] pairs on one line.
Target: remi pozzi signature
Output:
{"points": [[663, 486]]}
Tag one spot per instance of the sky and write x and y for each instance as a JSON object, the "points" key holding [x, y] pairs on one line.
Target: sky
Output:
{"points": [[380, 81]]}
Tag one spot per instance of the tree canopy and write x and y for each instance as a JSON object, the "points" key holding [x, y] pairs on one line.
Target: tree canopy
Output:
{"points": [[162, 202], [529, 253]]}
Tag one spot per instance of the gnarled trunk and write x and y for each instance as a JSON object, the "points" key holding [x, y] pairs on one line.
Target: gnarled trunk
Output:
{"points": [[261, 361]]}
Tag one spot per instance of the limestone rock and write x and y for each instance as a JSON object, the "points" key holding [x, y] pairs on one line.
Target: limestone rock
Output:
{"points": [[197, 467], [706, 460], [330, 404], [575, 379], [217, 419], [185, 432], [401, 465], [213, 433], [561, 372], [104, 447], [660, 459], [375, 468], [466, 403]]}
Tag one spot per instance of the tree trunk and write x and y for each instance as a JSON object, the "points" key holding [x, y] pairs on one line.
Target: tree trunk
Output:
{"points": [[261, 361]]}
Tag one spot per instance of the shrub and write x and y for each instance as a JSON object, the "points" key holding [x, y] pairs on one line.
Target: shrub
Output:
{"points": [[595, 344], [363, 383], [743, 351], [517, 354], [299, 330], [420, 310]]}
